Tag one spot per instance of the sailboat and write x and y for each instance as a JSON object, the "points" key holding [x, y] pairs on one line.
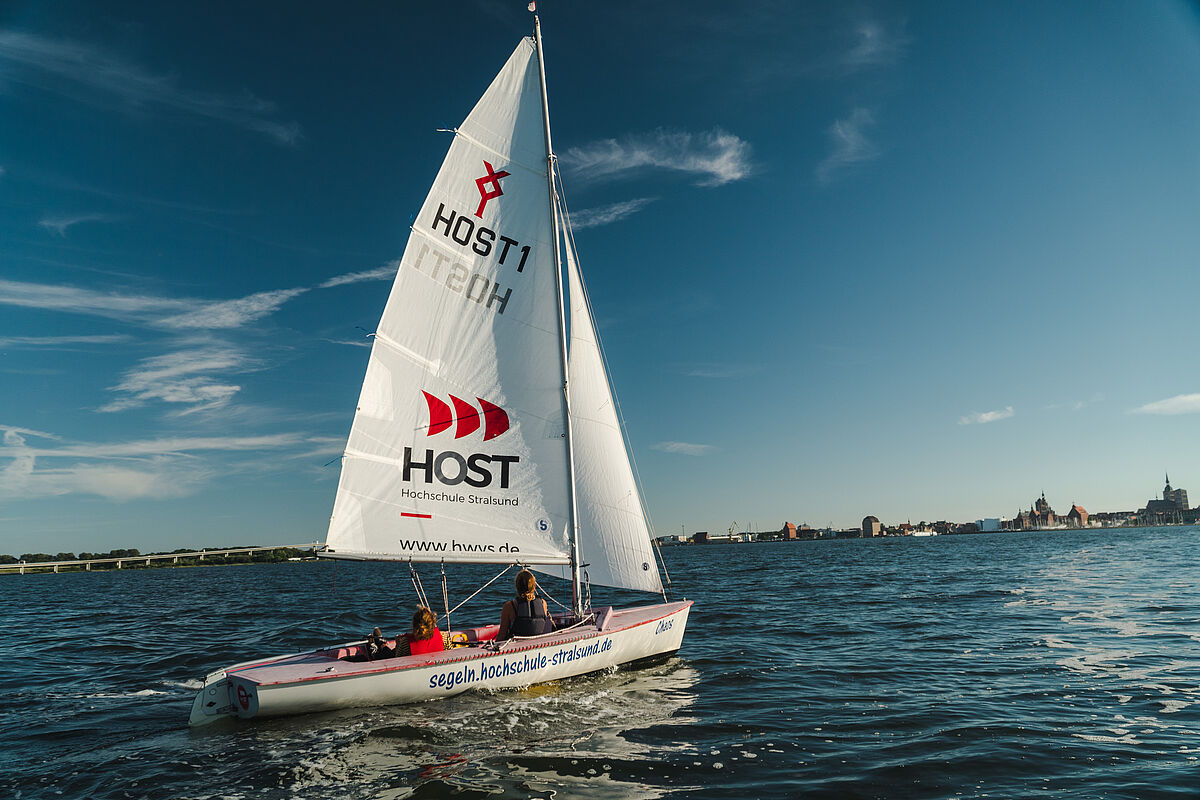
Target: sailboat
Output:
{"points": [[470, 445]]}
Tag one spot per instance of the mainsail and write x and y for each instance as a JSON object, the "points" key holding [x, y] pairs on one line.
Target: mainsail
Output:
{"points": [[457, 452], [614, 536]]}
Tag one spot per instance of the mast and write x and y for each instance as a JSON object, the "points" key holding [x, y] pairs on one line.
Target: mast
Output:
{"points": [[551, 164]]}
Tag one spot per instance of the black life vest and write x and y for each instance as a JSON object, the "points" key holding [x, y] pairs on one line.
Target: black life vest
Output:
{"points": [[531, 618]]}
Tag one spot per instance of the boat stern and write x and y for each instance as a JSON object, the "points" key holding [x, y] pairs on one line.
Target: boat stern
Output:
{"points": [[213, 702]]}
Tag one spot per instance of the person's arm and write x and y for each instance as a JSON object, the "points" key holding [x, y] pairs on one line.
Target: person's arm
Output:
{"points": [[546, 611], [507, 615]]}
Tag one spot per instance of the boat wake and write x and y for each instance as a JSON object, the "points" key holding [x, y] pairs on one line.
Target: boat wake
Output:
{"points": [[574, 737]]}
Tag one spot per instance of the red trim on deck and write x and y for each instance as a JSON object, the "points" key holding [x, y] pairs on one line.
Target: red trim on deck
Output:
{"points": [[418, 516]]}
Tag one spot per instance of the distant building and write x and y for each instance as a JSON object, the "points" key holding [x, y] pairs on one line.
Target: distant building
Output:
{"points": [[870, 526], [788, 531], [700, 537], [1172, 500], [1040, 515], [990, 524], [1077, 517]]}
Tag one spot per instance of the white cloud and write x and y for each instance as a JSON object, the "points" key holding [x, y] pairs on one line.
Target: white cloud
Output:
{"points": [[190, 378], [74, 300], [850, 145], [160, 312], [167, 446], [148, 469], [93, 75], [719, 370], [1171, 406], [683, 448], [714, 157], [386, 272], [185, 378], [61, 342], [59, 225], [14, 430], [232, 313], [980, 417], [874, 46], [605, 215]]}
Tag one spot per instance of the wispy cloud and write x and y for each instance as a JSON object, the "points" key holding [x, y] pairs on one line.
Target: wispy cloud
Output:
{"points": [[718, 370], [235, 313], [850, 145], [606, 215], [980, 417], [1172, 406], [13, 429], [713, 157], [188, 379], [683, 448], [61, 342], [146, 469], [196, 375], [386, 272], [1078, 405], [59, 225], [874, 46], [150, 310], [75, 300], [92, 74]]}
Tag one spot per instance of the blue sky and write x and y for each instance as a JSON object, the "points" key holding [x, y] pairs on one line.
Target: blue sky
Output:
{"points": [[914, 260]]}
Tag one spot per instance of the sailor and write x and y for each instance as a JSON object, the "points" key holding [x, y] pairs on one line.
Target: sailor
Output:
{"points": [[378, 647], [425, 636], [525, 614]]}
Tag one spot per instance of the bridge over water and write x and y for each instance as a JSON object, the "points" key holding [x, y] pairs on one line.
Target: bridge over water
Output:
{"points": [[200, 555]]}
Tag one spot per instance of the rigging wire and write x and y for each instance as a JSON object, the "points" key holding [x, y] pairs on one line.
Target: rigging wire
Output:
{"points": [[416, 582], [445, 594], [550, 597], [477, 591], [662, 562]]}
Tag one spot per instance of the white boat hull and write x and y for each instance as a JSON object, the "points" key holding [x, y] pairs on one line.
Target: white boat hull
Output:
{"points": [[320, 681]]}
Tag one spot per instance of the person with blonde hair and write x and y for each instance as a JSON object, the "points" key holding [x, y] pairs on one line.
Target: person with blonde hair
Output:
{"points": [[526, 614]]}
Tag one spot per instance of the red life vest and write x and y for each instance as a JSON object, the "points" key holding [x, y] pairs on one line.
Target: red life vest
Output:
{"points": [[431, 645]]}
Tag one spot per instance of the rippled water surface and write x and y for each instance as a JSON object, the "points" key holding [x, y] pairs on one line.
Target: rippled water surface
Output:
{"points": [[1002, 665]]}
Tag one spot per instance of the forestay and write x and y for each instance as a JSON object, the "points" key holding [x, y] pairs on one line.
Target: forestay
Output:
{"points": [[457, 448]]}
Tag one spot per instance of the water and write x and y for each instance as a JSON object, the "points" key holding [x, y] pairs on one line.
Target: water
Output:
{"points": [[1057, 665]]}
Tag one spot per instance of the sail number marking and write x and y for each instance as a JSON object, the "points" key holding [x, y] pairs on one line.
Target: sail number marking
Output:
{"points": [[480, 241]]}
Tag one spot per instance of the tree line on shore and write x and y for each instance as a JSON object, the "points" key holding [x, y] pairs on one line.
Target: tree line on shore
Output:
{"points": [[277, 554]]}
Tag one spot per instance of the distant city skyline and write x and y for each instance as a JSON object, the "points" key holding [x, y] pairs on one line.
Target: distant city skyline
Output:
{"points": [[890, 258]]}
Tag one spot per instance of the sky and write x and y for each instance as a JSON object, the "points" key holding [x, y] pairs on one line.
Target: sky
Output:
{"points": [[917, 260]]}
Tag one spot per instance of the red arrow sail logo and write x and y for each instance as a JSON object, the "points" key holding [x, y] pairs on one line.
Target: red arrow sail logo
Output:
{"points": [[441, 417]]}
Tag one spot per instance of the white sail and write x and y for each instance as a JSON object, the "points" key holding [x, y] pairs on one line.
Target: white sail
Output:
{"points": [[614, 536], [457, 450]]}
